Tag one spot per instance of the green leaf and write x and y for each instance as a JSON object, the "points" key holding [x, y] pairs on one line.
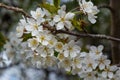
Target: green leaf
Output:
{"points": [[2, 41], [56, 53], [50, 8], [56, 3], [77, 24], [26, 37]]}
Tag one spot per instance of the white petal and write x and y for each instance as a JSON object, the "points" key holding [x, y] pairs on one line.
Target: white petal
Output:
{"points": [[94, 65], [73, 54], [101, 66], [79, 66], [40, 28], [57, 18], [91, 18], [68, 24], [113, 68], [52, 23], [60, 25], [69, 16], [40, 20], [63, 7], [66, 53], [28, 28], [68, 69], [61, 13], [20, 31], [107, 62], [33, 14], [93, 48], [104, 74], [89, 69], [43, 54], [45, 43], [110, 74], [35, 32], [100, 48], [39, 10]]}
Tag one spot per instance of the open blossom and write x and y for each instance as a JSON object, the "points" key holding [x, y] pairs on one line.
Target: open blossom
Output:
{"points": [[88, 75], [89, 9], [77, 62], [96, 52], [33, 43], [103, 62], [65, 63], [71, 49], [59, 46], [90, 63], [61, 56], [34, 27], [49, 61], [38, 14], [44, 51], [63, 19], [52, 42], [109, 72], [44, 38]]}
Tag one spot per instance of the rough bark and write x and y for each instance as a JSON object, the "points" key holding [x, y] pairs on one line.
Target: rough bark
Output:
{"points": [[115, 30]]}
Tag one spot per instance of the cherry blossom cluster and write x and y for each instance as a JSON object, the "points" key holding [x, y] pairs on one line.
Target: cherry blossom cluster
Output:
{"points": [[45, 49], [89, 9]]}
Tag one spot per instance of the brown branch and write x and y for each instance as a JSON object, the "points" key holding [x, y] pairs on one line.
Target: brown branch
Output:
{"points": [[16, 9], [99, 36], [81, 35]]}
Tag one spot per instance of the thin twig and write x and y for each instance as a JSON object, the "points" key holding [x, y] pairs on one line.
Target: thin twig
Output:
{"points": [[83, 35], [16, 9], [99, 36]]}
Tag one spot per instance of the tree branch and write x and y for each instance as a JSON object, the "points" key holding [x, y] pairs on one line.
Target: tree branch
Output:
{"points": [[16, 9], [82, 35], [99, 36]]}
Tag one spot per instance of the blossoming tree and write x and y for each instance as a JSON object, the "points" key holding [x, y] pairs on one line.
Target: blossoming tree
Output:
{"points": [[44, 40]]}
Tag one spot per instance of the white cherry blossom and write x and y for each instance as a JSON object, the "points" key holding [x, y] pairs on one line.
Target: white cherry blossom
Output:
{"points": [[103, 62], [44, 51], [61, 56], [77, 62], [88, 76], [33, 43], [71, 49], [96, 52], [49, 61], [34, 27], [39, 13], [65, 63], [44, 38], [63, 19], [52, 42], [90, 63], [59, 46], [108, 72], [89, 9]]}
